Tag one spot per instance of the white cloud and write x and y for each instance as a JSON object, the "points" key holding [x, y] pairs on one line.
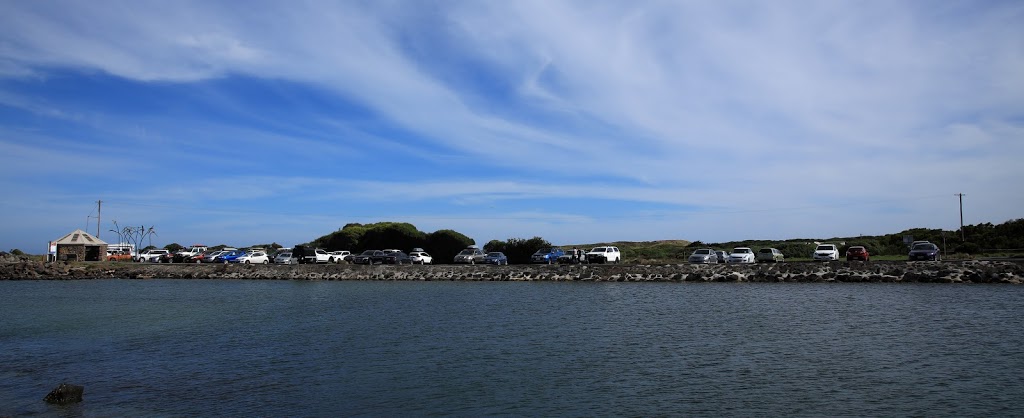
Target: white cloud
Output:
{"points": [[721, 106]]}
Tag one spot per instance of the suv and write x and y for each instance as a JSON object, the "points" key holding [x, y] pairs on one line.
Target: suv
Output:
{"points": [[308, 255], [420, 257], [336, 257], [547, 255], [770, 255], [825, 252], [604, 255], [471, 255]]}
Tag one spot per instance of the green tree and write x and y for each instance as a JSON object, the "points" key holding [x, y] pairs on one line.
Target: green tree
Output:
{"points": [[444, 244], [173, 247]]}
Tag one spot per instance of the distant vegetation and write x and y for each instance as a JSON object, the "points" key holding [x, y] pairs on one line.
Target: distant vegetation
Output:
{"points": [[981, 239], [518, 250], [443, 245]]}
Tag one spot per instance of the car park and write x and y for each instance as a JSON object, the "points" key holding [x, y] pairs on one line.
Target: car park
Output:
{"points": [[857, 253], [703, 256], [741, 255], [925, 251], [420, 257], [825, 252], [470, 255], [497, 258], [284, 257], [770, 255], [254, 257], [546, 255], [722, 256], [602, 255], [336, 257]]}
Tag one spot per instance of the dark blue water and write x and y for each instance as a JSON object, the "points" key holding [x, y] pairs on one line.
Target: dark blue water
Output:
{"points": [[281, 348]]}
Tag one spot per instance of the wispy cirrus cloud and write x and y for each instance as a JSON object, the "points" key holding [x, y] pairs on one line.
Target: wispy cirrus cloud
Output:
{"points": [[527, 107]]}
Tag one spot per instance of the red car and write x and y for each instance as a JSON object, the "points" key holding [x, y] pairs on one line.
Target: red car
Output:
{"points": [[857, 253]]}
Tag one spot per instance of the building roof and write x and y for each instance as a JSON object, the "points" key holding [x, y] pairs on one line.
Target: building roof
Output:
{"points": [[79, 237]]}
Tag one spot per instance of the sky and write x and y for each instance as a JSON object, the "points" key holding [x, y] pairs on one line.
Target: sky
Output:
{"points": [[220, 122]]}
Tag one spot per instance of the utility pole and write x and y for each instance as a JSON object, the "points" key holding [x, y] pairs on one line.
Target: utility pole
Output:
{"points": [[99, 208], [963, 238]]}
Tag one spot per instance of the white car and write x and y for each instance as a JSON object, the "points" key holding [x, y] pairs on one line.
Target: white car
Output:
{"points": [[336, 257], [825, 252], [704, 256], [421, 257], [255, 257], [152, 256], [604, 255], [741, 255]]}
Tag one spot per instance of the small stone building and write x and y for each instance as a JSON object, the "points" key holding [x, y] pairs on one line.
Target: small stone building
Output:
{"points": [[80, 246]]}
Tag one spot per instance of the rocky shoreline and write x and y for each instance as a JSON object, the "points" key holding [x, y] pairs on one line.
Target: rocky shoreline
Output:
{"points": [[1010, 272]]}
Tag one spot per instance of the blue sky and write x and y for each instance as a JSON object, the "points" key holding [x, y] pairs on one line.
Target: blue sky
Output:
{"points": [[576, 121]]}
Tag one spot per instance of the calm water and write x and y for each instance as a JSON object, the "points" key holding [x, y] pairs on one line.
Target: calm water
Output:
{"points": [[268, 348]]}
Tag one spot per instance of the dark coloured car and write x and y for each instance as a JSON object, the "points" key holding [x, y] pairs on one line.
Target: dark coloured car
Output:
{"points": [[366, 257], [497, 258], [396, 257], [925, 251], [857, 253], [546, 255]]}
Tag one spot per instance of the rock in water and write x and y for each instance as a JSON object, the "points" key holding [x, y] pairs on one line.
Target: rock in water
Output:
{"points": [[65, 394]]}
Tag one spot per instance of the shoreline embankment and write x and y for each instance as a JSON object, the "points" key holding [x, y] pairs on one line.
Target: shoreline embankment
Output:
{"points": [[1010, 272]]}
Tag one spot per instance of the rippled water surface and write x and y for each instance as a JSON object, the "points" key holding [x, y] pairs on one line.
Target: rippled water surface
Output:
{"points": [[269, 348]]}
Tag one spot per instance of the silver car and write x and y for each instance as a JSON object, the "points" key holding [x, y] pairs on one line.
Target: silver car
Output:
{"points": [[285, 258], [704, 256]]}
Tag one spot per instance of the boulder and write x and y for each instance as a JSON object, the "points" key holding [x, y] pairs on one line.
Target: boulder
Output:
{"points": [[64, 394]]}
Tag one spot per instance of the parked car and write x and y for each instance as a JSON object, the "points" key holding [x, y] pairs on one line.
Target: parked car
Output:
{"points": [[187, 255], [254, 257], [336, 257], [741, 255], [471, 255], [381, 257], [704, 256], [366, 257], [857, 253], [569, 258], [496, 257], [305, 254], [152, 256], [215, 256], [602, 255], [420, 257], [770, 255], [547, 255], [284, 257], [722, 256], [230, 256], [825, 252], [925, 251], [119, 255], [396, 257]]}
